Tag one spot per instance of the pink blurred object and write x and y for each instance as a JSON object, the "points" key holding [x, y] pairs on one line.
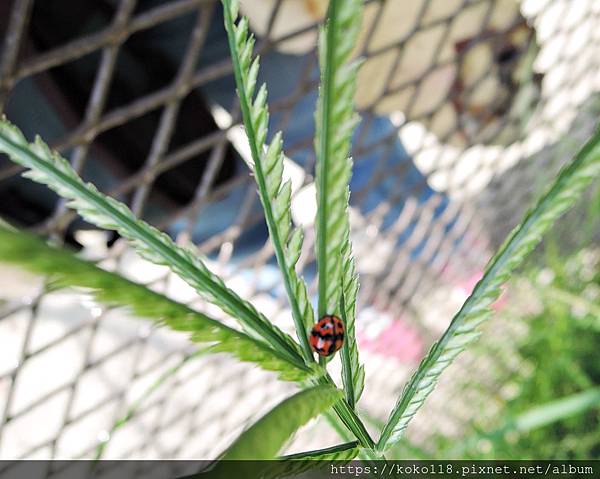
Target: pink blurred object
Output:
{"points": [[401, 341], [397, 339]]}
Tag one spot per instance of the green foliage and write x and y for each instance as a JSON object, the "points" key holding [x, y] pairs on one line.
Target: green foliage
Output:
{"points": [[265, 438], [65, 270], [335, 120], [563, 329], [562, 194], [49, 168], [268, 171]]}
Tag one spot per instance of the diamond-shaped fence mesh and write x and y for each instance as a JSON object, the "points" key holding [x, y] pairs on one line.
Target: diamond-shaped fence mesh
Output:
{"points": [[468, 107]]}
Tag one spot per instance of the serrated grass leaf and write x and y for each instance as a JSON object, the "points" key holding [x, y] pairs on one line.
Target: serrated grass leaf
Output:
{"points": [[64, 269], [335, 119], [562, 194], [275, 195], [49, 168]]}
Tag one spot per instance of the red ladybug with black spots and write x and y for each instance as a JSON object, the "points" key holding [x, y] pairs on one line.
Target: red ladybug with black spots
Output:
{"points": [[327, 336]]}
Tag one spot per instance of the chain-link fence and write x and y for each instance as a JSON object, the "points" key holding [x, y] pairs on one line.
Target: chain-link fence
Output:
{"points": [[468, 107]]}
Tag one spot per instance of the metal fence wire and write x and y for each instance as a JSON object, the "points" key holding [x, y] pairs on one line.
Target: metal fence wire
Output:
{"points": [[468, 107]]}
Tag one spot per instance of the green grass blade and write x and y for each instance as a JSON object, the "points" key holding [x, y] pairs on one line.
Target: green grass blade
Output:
{"points": [[562, 194], [49, 168], [353, 373], [335, 121], [554, 411], [66, 270], [268, 170], [266, 437]]}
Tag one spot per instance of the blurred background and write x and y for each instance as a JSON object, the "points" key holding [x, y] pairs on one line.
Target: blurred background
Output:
{"points": [[469, 108]]}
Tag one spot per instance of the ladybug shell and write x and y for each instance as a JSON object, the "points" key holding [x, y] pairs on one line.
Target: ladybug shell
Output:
{"points": [[327, 336]]}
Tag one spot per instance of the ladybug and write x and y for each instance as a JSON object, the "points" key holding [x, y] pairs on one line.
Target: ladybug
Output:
{"points": [[327, 336]]}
